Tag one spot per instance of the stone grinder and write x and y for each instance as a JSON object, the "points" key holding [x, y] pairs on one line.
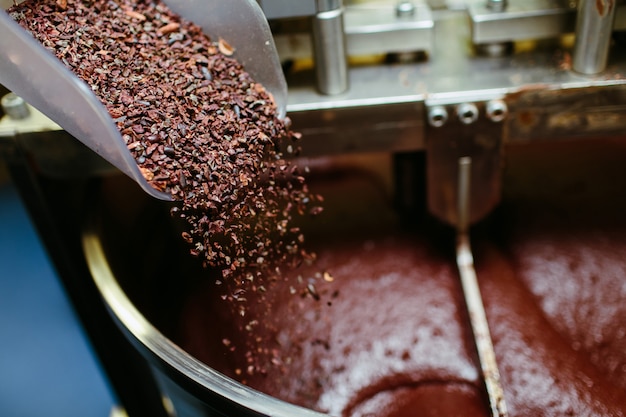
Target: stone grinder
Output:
{"points": [[430, 96]]}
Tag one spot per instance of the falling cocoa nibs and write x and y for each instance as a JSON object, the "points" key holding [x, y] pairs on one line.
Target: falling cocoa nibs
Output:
{"points": [[199, 127]]}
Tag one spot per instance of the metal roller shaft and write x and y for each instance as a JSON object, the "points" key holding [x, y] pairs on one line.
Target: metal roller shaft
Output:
{"points": [[473, 299], [594, 25], [329, 47]]}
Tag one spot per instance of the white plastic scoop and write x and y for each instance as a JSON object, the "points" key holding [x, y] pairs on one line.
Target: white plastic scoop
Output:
{"points": [[35, 74]]}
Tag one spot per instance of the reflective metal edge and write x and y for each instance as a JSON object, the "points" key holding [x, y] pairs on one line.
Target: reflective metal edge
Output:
{"points": [[164, 353]]}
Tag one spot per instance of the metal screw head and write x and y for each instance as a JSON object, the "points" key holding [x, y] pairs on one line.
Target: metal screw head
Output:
{"points": [[14, 106], [497, 110], [437, 116], [497, 5], [467, 113], [405, 8], [328, 5], [495, 49]]}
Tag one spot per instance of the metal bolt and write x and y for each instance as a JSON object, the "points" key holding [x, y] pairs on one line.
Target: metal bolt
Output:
{"points": [[497, 110], [496, 49], [467, 113], [437, 116], [328, 5], [497, 5], [405, 8], [14, 106]]}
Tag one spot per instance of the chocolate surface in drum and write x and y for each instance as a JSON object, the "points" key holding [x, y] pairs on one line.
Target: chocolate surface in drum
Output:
{"points": [[389, 334], [560, 264]]}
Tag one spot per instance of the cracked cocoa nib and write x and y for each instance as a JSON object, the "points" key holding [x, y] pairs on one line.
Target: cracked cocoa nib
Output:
{"points": [[199, 127]]}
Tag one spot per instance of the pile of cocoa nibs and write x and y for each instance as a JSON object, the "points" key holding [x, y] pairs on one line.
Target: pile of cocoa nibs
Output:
{"points": [[198, 126]]}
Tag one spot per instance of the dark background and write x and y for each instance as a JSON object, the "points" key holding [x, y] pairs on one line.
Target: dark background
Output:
{"points": [[47, 367]]}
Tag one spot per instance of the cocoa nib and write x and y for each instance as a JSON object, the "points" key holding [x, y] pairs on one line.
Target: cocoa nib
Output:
{"points": [[199, 127]]}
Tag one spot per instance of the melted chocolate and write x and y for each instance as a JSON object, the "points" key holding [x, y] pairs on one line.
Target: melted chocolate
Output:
{"points": [[387, 334]]}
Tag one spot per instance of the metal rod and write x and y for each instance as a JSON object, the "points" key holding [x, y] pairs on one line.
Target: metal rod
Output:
{"points": [[329, 46], [594, 26], [473, 299], [497, 5], [463, 194]]}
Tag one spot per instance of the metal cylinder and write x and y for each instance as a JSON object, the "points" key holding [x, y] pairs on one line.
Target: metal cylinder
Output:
{"points": [[437, 116], [14, 106], [497, 5], [496, 110], [594, 25], [467, 113], [330, 47], [327, 5], [405, 9]]}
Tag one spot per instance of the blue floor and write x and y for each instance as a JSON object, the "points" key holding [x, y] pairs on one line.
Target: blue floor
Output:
{"points": [[47, 367]]}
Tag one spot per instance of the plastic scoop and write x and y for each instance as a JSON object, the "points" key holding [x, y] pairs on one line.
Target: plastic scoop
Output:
{"points": [[35, 74]]}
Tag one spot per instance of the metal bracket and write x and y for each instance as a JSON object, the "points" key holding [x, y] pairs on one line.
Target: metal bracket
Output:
{"points": [[528, 19], [370, 29], [454, 131]]}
